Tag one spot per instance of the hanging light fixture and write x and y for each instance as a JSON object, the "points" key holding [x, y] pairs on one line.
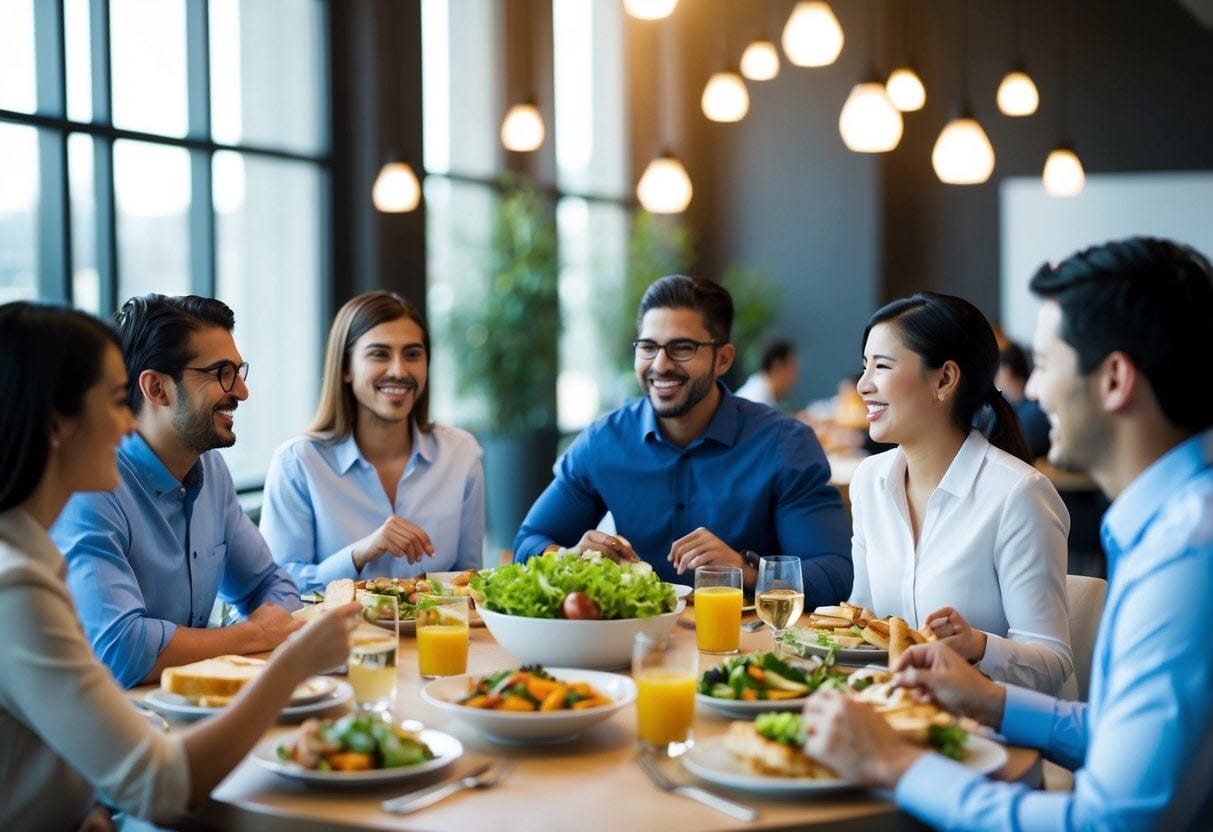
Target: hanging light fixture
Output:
{"points": [[1017, 95], [869, 123], [649, 9], [812, 35], [522, 128], [1063, 174], [963, 154], [396, 189], [665, 187], [760, 60], [725, 98], [906, 90]]}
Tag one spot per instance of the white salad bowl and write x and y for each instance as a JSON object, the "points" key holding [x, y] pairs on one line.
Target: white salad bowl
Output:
{"points": [[562, 642]]}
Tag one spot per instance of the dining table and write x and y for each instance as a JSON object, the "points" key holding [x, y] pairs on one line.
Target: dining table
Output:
{"points": [[586, 784]]}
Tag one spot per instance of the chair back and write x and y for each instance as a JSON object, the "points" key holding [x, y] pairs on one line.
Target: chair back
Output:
{"points": [[1086, 599]]}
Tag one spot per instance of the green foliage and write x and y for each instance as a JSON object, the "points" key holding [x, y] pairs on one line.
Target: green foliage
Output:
{"points": [[509, 337], [755, 302]]}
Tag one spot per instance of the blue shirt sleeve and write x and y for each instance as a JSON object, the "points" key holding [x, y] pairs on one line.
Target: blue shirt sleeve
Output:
{"points": [[566, 509], [250, 575], [809, 520], [94, 535], [471, 521]]}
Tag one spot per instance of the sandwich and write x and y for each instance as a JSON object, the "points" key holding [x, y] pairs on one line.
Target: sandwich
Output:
{"points": [[336, 594], [773, 745], [211, 682]]}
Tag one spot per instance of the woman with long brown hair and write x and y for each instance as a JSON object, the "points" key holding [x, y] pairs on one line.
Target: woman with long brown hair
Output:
{"points": [[374, 488]]}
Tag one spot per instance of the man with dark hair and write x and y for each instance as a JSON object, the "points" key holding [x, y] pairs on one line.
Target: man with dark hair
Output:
{"points": [[1121, 326], [146, 561], [1012, 377], [777, 375], [691, 474]]}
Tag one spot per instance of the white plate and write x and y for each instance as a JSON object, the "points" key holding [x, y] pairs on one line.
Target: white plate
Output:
{"points": [[171, 704], [522, 728], [845, 655], [748, 708], [446, 750], [682, 591], [709, 760]]}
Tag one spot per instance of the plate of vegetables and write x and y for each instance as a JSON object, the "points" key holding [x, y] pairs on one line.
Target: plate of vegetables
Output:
{"points": [[357, 749], [532, 705], [757, 682]]}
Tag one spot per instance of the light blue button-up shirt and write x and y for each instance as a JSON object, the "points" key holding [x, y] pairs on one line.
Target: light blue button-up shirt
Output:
{"points": [[1143, 746], [321, 497], [153, 554]]}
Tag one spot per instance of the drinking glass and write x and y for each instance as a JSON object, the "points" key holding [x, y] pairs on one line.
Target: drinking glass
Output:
{"points": [[442, 635], [373, 648], [666, 673], [779, 593], [718, 608]]}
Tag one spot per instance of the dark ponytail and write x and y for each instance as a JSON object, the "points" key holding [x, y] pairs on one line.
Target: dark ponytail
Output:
{"points": [[940, 328]]}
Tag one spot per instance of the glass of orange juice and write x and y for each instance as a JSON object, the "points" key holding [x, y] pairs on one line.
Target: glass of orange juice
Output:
{"points": [[442, 635], [718, 608], [666, 673]]}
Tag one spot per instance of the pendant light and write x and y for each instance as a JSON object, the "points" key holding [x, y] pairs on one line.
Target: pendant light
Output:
{"points": [[522, 129], [649, 9], [396, 189], [812, 36], [1063, 175], [963, 154], [665, 187], [725, 98], [760, 61], [1017, 94], [904, 85], [869, 123]]}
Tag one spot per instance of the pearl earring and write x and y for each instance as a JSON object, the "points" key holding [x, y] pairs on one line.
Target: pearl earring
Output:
{"points": [[54, 443]]}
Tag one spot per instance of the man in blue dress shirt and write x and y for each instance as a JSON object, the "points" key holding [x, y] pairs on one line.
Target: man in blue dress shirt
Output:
{"points": [[692, 474], [1119, 348], [146, 561]]}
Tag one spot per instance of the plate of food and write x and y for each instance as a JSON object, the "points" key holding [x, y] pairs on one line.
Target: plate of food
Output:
{"points": [[532, 705], [406, 591], [854, 635], [754, 683], [355, 750], [206, 687]]}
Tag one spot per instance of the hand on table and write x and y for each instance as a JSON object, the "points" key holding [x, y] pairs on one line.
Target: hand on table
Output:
{"points": [[942, 674], [855, 741], [270, 625], [700, 548], [614, 546], [396, 537], [951, 628]]}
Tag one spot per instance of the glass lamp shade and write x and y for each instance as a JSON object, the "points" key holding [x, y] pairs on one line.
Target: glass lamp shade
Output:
{"points": [[812, 36], [396, 189], [906, 90], [869, 123], [963, 154], [725, 97], [760, 61], [1063, 174], [649, 9], [1017, 95], [522, 129], [665, 187]]}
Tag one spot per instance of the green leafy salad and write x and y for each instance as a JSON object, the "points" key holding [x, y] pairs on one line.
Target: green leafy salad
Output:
{"points": [[539, 587], [789, 729], [760, 676]]}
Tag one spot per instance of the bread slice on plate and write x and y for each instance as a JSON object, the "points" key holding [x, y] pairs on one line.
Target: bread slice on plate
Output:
{"points": [[222, 676]]}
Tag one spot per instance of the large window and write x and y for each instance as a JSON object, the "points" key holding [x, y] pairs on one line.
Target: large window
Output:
{"points": [[175, 146]]}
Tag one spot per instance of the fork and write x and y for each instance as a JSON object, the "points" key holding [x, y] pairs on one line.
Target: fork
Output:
{"points": [[480, 777], [662, 781]]}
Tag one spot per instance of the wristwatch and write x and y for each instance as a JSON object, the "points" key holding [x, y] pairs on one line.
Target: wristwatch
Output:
{"points": [[750, 557]]}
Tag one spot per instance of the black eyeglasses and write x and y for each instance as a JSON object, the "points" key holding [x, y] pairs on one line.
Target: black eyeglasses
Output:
{"points": [[680, 349], [225, 373]]}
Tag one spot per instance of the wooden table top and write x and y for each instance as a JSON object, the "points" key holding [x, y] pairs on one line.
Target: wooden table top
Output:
{"points": [[589, 783]]}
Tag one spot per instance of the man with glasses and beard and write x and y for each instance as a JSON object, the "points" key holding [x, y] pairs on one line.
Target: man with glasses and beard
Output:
{"points": [[692, 474], [147, 560]]}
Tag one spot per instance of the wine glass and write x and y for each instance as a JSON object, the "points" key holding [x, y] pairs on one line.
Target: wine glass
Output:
{"points": [[779, 592]]}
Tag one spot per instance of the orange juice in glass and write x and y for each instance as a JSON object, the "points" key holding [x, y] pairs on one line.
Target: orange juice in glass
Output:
{"points": [[666, 676], [718, 608], [442, 635]]}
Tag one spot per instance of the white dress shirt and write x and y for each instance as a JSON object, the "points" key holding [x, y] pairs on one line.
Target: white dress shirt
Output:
{"points": [[758, 389], [992, 546], [67, 732]]}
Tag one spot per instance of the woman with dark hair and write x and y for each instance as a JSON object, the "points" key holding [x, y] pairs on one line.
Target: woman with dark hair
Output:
{"points": [[374, 488], [954, 530], [68, 734]]}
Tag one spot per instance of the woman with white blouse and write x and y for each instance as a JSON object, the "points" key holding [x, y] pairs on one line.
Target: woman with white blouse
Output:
{"points": [[68, 735], [954, 530]]}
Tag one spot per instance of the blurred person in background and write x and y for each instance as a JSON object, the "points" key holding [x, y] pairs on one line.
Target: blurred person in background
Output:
{"points": [[1012, 377], [775, 380]]}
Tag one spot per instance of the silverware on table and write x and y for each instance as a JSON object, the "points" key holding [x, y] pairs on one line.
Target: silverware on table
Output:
{"points": [[151, 715], [480, 777], [663, 781]]}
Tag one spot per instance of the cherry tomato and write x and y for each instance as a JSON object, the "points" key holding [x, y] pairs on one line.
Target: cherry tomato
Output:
{"points": [[580, 605]]}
